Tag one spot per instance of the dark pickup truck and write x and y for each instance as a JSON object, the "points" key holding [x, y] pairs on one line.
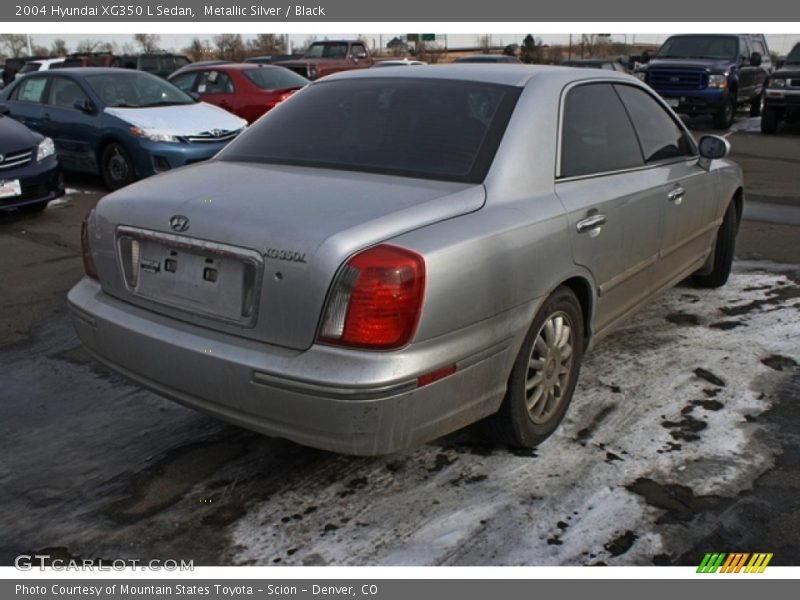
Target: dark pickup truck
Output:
{"points": [[782, 98], [710, 74], [324, 58]]}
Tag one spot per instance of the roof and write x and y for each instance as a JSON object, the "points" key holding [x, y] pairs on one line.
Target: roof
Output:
{"points": [[498, 73], [91, 71], [228, 65]]}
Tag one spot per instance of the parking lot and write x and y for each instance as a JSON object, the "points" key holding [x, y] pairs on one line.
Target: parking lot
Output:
{"points": [[682, 437]]}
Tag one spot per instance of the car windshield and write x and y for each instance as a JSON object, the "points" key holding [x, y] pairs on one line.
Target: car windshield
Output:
{"points": [[275, 78], [29, 67], [135, 90], [698, 46], [794, 56], [432, 129], [332, 50]]}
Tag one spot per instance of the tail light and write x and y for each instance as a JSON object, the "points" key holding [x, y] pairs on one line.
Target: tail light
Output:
{"points": [[376, 299], [285, 96], [86, 250]]}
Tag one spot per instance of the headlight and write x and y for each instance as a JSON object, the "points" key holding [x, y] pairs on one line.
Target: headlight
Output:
{"points": [[45, 148], [152, 135], [717, 81], [641, 75], [779, 83]]}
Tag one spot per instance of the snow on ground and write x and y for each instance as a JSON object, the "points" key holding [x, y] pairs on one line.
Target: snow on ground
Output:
{"points": [[671, 399]]}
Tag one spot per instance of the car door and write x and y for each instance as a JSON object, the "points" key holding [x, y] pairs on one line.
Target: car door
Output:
{"points": [[607, 191], [25, 101], [71, 128], [682, 190]]}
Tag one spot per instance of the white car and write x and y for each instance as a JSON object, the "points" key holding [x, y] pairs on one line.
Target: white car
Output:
{"points": [[44, 64]]}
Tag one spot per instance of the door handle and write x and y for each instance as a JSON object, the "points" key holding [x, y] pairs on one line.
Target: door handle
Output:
{"points": [[676, 195], [593, 223]]}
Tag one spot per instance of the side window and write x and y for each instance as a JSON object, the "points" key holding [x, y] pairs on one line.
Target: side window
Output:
{"points": [[64, 92], [184, 82], [30, 90], [659, 135], [358, 51], [744, 49], [215, 82], [597, 134]]}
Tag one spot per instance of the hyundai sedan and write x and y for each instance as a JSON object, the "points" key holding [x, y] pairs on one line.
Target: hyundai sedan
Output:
{"points": [[398, 253]]}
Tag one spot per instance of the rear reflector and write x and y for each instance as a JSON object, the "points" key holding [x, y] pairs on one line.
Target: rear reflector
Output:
{"points": [[376, 299], [436, 375]]}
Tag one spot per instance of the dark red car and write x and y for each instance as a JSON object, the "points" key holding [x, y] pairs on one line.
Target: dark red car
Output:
{"points": [[246, 90]]}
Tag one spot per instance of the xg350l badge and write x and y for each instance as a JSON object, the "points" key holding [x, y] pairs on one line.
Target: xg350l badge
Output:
{"points": [[179, 223], [281, 254]]}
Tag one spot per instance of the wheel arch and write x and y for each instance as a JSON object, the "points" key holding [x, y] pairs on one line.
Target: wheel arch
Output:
{"points": [[584, 291]]}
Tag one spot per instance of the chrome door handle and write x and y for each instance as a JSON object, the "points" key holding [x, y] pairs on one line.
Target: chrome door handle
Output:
{"points": [[591, 223], [676, 195]]}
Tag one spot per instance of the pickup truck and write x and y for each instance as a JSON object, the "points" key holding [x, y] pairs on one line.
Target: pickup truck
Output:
{"points": [[782, 99], [324, 58], [710, 74]]}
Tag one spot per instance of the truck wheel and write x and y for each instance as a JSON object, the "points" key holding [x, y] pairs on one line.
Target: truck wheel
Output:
{"points": [[769, 120], [726, 113], [757, 105], [723, 252], [544, 375]]}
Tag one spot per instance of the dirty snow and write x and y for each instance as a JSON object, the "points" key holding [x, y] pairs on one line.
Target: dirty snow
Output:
{"points": [[673, 398]]}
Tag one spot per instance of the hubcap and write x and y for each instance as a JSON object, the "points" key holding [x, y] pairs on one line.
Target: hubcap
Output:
{"points": [[549, 368], [118, 167]]}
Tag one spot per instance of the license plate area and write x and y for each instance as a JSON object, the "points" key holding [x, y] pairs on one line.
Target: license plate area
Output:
{"points": [[213, 280], [10, 188]]}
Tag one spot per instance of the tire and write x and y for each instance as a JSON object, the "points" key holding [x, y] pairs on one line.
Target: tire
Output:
{"points": [[757, 105], [769, 120], [725, 114], [723, 252], [116, 167], [516, 423], [36, 207]]}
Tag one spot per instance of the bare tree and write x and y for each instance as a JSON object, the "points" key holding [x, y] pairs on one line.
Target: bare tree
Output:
{"points": [[15, 43], [265, 44], [230, 47], [87, 46], [37, 50], [198, 50], [428, 52], [59, 48], [148, 42]]}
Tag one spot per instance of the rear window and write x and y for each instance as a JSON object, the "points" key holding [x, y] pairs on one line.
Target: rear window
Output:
{"points": [[275, 78], [424, 128]]}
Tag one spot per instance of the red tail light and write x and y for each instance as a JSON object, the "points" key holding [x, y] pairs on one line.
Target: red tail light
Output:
{"points": [[86, 251], [376, 299], [285, 96]]}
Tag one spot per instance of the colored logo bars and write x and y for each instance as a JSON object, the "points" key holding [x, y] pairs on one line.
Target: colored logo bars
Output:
{"points": [[734, 562]]}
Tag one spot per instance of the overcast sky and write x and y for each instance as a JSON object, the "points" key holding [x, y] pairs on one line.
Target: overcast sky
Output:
{"points": [[780, 43]]}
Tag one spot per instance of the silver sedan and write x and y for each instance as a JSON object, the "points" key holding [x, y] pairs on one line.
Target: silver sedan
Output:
{"points": [[391, 255]]}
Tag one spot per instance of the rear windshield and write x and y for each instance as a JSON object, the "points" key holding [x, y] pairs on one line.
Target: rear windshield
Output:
{"points": [[698, 46], [432, 129], [275, 78]]}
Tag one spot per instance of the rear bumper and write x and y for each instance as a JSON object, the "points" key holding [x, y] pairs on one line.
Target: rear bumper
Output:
{"points": [[343, 404]]}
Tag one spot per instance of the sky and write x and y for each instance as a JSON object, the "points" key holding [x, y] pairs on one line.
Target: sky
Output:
{"points": [[780, 43]]}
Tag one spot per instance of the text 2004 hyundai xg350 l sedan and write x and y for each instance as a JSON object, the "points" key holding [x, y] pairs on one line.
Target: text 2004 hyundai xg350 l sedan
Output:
{"points": [[391, 255]]}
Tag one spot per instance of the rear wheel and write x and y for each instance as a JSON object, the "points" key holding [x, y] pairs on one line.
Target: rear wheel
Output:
{"points": [[769, 120], [544, 375], [723, 252], [116, 167]]}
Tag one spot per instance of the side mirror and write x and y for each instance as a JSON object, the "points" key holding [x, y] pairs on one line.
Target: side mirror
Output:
{"points": [[84, 105], [712, 147], [755, 59], [358, 54]]}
